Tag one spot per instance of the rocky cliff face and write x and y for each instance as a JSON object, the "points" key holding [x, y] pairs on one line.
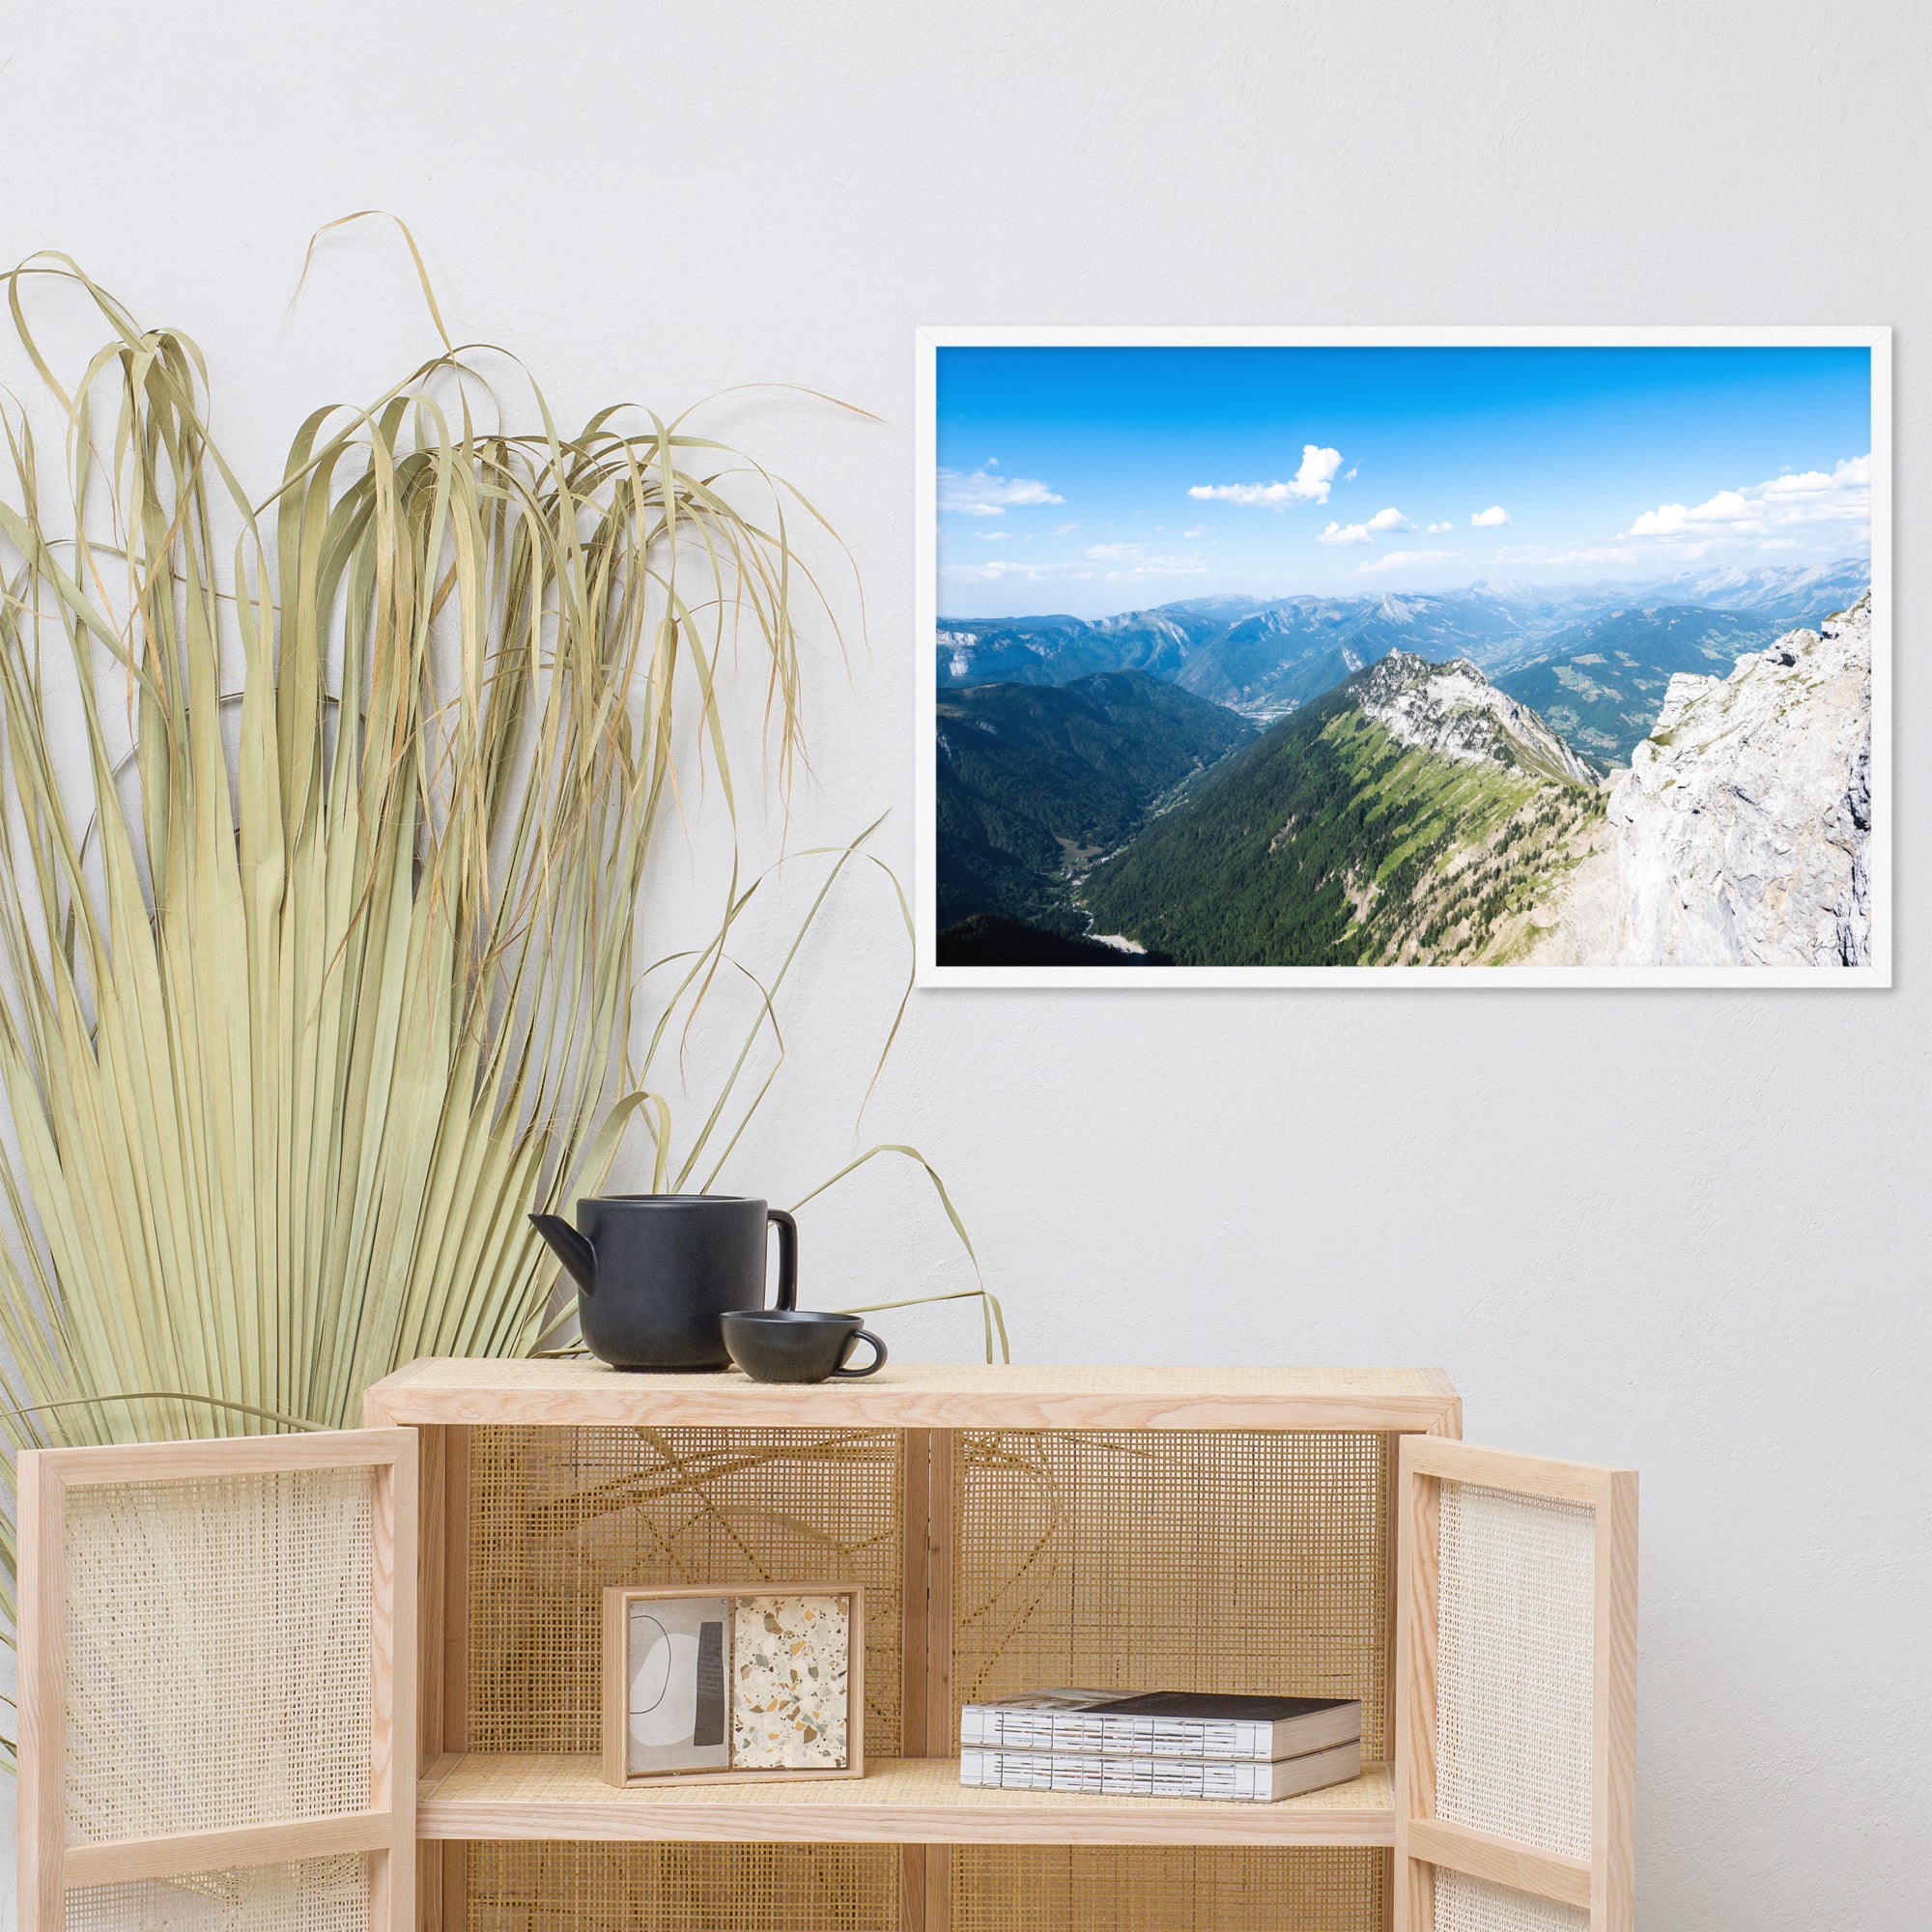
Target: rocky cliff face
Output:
{"points": [[1454, 710], [1741, 833]]}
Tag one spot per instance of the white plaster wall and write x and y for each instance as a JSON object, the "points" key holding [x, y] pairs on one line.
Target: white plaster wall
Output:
{"points": [[1686, 1231]]}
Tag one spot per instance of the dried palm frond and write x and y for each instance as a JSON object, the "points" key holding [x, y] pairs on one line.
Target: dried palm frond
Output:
{"points": [[319, 971]]}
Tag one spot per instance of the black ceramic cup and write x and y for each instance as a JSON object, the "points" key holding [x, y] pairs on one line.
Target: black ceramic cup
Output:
{"points": [[791, 1344]]}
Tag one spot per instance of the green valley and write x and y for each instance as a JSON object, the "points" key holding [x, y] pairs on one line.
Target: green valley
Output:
{"points": [[1035, 781]]}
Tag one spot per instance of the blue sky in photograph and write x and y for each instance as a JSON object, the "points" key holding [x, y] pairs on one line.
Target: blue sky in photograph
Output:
{"points": [[1095, 480]]}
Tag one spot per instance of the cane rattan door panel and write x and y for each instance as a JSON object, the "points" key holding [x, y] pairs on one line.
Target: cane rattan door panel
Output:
{"points": [[307, 1895], [217, 1705], [1515, 1693]]}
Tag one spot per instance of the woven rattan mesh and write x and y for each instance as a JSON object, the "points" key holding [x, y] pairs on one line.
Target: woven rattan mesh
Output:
{"points": [[557, 1515], [1251, 1561], [1514, 1650], [217, 1652], [1120, 1888], [537, 1886], [1466, 1904], [314, 1895]]}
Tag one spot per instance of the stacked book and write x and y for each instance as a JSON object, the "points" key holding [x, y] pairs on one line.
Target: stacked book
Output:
{"points": [[1163, 1744]]}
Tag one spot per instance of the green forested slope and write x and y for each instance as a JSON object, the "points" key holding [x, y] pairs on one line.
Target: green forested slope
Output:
{"points": [[1033, 779], [1330, 842]]}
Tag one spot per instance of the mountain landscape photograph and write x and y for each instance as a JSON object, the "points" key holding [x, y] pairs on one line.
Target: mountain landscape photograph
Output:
{"points": [[1277, 657]]}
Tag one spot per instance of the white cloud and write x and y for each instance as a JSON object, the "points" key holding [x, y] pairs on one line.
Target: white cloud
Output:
{"points": [[1841, 495], [1117, 562], [984, 494], [1854, 474], [1440, 529], [1199, 530], [1574, 553], [1391, 519], [1309, 484], [1064, 529], [994, 536], [1406, 559], [1133, 561], [1673, 520], [996, 570], [1489, 519], [1349, 474]]}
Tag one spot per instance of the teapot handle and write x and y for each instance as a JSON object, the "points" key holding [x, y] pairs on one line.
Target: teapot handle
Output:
{"points": [[787, 1257]]}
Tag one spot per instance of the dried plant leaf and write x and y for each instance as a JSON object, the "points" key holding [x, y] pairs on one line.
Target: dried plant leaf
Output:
{"points": [[293, 1032]]}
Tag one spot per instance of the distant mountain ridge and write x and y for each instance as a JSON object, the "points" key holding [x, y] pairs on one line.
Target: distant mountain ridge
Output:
{"points": [[1264, 657], [1826, 588], [1603, 683]]}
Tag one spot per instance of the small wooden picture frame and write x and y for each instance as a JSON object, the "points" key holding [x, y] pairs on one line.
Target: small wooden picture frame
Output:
{"points": [[743, 1683]]}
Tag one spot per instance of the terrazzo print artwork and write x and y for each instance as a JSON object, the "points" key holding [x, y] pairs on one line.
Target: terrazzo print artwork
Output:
{"points": [[790, 1659]]}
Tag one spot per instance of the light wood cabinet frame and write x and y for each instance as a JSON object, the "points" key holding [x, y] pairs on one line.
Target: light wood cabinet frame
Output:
{"points": [[914, 1802], [419, 1446]]}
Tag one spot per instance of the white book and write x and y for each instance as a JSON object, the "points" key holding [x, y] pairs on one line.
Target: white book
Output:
{"points": [[1241, 1782], [1162, 1723]]}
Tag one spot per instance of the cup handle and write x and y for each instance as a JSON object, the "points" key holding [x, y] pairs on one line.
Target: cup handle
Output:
{"points": [[873, 1366], [787, 1257]]}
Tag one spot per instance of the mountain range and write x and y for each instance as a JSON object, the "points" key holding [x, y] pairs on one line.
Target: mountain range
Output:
{"points": [[1265, 657], [1390, 779], [1602, 683]]}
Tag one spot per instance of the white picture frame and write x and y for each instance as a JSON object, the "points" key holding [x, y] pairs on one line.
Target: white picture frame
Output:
{"points": [[929, 973]]}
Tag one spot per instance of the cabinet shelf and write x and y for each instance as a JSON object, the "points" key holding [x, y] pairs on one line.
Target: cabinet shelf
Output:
{"points": [[898, 1802]]}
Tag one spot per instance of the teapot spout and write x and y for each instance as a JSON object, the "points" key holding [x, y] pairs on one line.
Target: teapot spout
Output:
{"points": [[570, 1248]]}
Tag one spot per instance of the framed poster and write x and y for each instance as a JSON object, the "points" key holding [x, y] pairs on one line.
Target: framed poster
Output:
{"points": [[1550, 656]]}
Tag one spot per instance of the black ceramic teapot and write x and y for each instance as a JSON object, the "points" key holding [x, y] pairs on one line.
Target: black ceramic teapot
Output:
{"points": [[654, 1272]]}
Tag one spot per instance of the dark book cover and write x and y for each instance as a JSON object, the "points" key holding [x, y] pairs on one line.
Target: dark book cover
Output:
{"points": [[1212, 1706]]}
